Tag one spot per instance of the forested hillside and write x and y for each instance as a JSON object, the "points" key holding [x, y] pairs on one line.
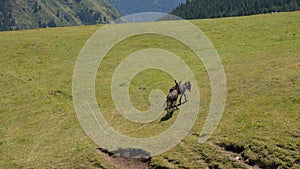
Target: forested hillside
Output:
{"points": [[126, 7], [28, 14], [197, 9]]}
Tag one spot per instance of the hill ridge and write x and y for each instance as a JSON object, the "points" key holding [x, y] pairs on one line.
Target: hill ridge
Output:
{"points": [[127, 7], [17, 14]]}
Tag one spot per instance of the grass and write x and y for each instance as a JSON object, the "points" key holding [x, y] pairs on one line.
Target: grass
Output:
{"points": [[260, 54]]}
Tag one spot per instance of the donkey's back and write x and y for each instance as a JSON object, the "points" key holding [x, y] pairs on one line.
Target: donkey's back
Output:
{"points": [[173, 95]]}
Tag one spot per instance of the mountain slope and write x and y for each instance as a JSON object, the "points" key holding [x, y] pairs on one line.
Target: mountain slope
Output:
{"points": [[197, 9], [18, 14], [126, 7]]}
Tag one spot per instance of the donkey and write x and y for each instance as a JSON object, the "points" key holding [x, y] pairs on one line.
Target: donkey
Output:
{"points": [[182, 89], [172, 97]]}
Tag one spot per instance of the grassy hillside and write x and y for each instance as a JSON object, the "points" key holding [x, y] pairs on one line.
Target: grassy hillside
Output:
{"points": [[260, 125], [19, 14]]}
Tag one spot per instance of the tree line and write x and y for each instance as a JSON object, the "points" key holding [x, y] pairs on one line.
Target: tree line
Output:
{"points": [[6, 19], [197, 9]]}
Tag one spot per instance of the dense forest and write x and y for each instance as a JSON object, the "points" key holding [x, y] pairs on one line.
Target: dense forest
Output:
{"points": [[197, 9], [6, 19]]}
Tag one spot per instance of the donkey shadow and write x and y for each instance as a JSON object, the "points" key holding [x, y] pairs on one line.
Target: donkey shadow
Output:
{"points": [[167, 116], [170, 114]]}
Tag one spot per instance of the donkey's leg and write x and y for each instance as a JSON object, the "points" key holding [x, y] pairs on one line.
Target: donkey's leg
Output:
{"points": [[175, 105], [168, 106], [180, 100]]}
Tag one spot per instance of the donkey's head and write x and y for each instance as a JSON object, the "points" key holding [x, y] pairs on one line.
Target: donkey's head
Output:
{"points": [[188, 86]]}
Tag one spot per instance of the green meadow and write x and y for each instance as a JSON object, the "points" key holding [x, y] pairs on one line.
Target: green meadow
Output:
{"points": [[260, 125]]}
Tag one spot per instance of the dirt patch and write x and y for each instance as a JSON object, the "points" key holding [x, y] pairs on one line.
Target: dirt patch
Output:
{"points": [[254, 159], [232, 147], [233, 152], [134, 160]]}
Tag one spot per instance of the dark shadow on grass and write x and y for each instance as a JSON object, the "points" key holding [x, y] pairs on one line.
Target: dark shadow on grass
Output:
{"points": [[132, 153], [170, 114], [127, 157], [167, 116]]}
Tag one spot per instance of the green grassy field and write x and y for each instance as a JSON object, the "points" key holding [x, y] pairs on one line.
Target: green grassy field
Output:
{"points": [[260, 125]]}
